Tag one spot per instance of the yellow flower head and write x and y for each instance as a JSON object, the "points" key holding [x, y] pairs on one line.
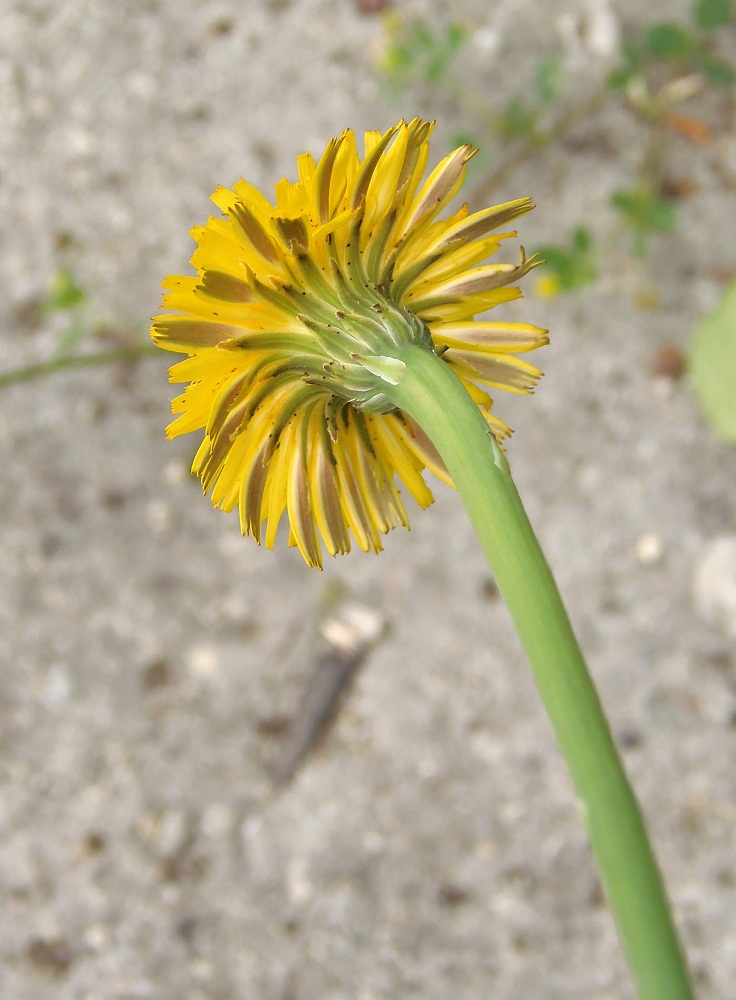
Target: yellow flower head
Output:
{"points": [[290, 324]]}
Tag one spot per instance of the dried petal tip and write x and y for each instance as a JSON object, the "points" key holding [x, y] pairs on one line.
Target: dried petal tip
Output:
{"points": [[292, 321]]}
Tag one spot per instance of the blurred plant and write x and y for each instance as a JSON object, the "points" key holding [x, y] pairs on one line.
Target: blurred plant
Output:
{"points": [[644, 212], [416, 51], [522, 118], [712, 365], [568, 268], [662, 67], [67, 297], [679, 48], [548, 80]]}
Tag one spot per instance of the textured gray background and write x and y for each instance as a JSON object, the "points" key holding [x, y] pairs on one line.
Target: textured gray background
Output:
{"points": [[432, 847]]}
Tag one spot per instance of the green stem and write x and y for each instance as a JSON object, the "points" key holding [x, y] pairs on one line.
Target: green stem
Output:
{"points": [[433, 396], [114, 356]]}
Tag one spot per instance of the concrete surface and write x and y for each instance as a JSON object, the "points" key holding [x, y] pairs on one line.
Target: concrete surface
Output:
{"points": [[431, 847]]}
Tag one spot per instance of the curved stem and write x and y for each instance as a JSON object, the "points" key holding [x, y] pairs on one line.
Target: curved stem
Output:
{"points": [[433, 396], [528, 148], [114, 356]]}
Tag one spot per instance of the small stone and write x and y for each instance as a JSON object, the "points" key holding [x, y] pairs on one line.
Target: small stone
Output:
{"points": [[220, 27], [94, 842], [174, 473], [158, 516], [186, 928], [217, 821], [629, 739], [668, 362], [486, 39], [714, 583], [452, 896], [52, 955], [203, 660], [57, 687], [649, 549], [298, 883], [96, 937], [156, 675]]}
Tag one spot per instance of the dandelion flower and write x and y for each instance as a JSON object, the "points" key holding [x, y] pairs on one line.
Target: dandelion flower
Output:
{"points": [[294, 320], [334, 355]]}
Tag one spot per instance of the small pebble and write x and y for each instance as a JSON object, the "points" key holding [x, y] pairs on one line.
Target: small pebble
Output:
{"points": [[156, 675], [174, 473], [649, 549], [158, 516], [203, 660], [96, 937], [217, 821], [668, 362], [714, 583], [57, 687], [53, 956]]}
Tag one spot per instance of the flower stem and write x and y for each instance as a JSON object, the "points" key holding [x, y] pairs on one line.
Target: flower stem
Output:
{"points": [[434, 397]]}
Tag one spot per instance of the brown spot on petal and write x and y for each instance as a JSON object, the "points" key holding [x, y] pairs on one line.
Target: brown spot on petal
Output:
{"points": [[255, 233], [323, 177], [294, 233], [480, 223], [191, 332], [251, 493], [450, 172], [369, 166], [226, 287], [299, 504]]}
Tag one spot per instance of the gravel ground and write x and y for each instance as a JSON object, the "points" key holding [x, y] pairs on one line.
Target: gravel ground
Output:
{"points": [[152, 658]]}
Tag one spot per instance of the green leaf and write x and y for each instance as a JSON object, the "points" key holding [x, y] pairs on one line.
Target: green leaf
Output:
{"points": [[434, 68], [644, 210], [64, 292], [709, 14], [662, 215], [582, 239], [718, 71], [572, 267], [69, 340], [422, 36], [464, 139], [633, 57], [455, 36], [712, 365], [643, 213], [518, 120], [667, 40], [631, 50], [548, 80], [618, 78]]}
